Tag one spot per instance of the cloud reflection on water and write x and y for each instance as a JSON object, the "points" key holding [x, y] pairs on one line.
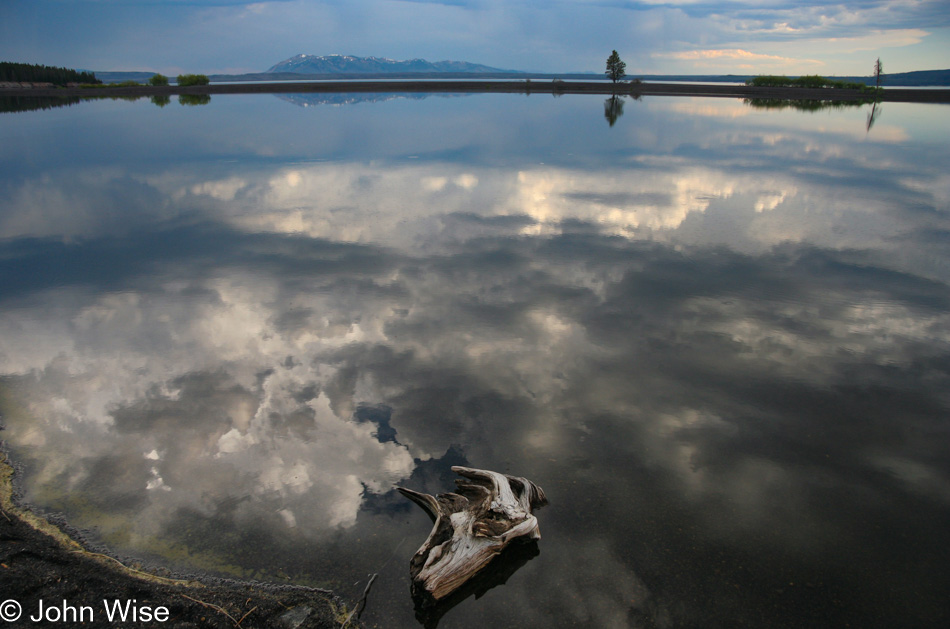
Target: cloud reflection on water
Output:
{"points": [[726, 375]]}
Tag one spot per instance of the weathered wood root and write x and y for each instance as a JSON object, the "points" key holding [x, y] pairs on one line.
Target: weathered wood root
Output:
{"points": [[487, 512]]}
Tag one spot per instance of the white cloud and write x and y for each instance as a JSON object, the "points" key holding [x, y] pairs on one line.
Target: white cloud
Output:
{"points": [[742, 60]]}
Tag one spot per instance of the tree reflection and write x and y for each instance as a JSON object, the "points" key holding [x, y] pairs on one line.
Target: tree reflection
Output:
{"points": [[613, 109], [14, 102], [194, 99], [812, 105], [803, 104], [872, 115]]}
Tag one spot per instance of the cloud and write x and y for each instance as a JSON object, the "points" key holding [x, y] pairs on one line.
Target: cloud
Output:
{"points": [[734, 57], [875, 40], [734, 53], [201, 35]]}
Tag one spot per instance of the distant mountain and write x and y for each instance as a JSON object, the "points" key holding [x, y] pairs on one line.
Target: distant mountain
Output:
{"points": [[920, 77], [345, 64]]}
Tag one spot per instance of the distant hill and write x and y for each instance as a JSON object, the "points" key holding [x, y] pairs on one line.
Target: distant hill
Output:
{"points": [[345, 64], [119, 77], [910, 79]]}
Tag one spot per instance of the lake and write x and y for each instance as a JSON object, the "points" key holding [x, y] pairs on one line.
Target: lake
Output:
{"points": [[717, 336]]}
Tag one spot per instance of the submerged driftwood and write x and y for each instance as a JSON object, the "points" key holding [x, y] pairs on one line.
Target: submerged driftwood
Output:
{"points": [[471, 527]]}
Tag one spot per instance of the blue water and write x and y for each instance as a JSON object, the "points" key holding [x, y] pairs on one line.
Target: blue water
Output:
{"points": [[715, 335]]}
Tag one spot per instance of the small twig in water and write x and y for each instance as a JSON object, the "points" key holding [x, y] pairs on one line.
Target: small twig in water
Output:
{"points": [[246, 615], [217, 609], [362, 602]]}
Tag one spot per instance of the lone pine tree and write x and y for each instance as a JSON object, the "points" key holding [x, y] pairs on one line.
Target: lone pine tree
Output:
{"points": [[616, 69]]}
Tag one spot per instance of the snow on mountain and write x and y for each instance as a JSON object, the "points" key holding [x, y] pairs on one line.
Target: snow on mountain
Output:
{"points": [[346, 64]]}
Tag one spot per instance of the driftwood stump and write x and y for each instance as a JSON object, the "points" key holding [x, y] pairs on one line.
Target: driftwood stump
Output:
{"points": [[471, 527]]}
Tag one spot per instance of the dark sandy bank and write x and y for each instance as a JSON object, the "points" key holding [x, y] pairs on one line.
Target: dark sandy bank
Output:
{"points": [[38, 561], [519, 87]]}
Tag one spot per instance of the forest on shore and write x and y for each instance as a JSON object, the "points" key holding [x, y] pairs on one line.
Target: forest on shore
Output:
{"points": [[35, 73]]}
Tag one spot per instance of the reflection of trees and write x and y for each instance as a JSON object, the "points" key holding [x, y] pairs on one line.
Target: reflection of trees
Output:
{"points": [[613, 106], [613, 109], [194, 99], [873, 114], [14, 103], [815, 105], [127, 98], [804, 104]]}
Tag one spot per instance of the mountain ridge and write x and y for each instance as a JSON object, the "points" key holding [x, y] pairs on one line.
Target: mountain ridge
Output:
{"points": [[348, 64]]}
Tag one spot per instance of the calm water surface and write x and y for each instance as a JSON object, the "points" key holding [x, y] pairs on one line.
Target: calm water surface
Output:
{"points": [[718, 336]]}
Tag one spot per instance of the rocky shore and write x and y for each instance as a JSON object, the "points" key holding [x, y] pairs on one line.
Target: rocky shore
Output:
{"points": [[10, 85]]}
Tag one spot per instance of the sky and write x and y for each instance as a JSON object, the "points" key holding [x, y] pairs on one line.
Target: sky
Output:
{"points": [[652, 36]]}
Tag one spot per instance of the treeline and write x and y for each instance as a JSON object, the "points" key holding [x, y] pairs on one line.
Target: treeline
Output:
{"points": [[34, 73], [811, 80], [160, 80], [185, 80]]}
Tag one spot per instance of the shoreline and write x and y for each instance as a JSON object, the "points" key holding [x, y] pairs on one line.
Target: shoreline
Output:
{"points": [[905, 95], [40, 562]]}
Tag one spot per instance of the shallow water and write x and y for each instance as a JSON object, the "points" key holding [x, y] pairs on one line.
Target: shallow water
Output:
{"points": [[716, 335]]}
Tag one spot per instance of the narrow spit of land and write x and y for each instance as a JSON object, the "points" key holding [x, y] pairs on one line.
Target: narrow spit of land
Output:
{"points": [[936, 95]]}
